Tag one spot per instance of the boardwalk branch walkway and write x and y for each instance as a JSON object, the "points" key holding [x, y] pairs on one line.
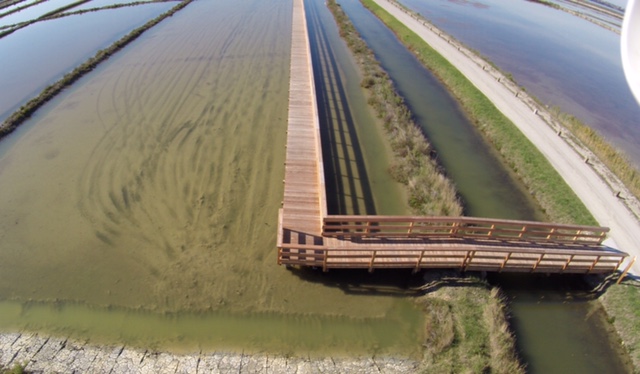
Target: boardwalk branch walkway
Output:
{"points": [[308, 236]]}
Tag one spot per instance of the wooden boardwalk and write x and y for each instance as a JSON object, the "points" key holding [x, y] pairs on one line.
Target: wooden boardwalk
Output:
{"points": [[308, 236]]}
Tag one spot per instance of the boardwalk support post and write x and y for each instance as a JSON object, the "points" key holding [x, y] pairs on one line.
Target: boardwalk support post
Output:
{"points": [[626, 270]]}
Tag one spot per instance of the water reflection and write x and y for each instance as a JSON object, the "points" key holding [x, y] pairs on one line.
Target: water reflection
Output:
{"points": [[563, 60], [487, 188], [33, 12], [63, 43]]}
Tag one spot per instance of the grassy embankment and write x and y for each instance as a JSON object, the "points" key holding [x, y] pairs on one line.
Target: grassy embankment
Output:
{"points": [[52, 90], [466, 328], [617, 162], [548, 188], [429, 191], [622, 304]]}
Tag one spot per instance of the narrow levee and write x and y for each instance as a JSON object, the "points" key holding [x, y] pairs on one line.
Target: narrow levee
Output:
{"points": [[489, 193]]}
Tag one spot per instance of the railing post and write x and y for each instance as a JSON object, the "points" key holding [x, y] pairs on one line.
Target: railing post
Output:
{"points": [[418, 262], [523, 230], [594, 264], [506, 258], [538, 262], [454, 229], [551, 232], [490, 233], [568, 262], [578, 233], [626, 270], [373, 258], [468, 260], [410, 228], [324, 261]]}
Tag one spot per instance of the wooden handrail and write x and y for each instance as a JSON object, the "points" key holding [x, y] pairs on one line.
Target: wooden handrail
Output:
{"points": [[461, 227]]}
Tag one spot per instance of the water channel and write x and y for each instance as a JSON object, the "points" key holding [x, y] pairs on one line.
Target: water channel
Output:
{"points": [[558, 328]]}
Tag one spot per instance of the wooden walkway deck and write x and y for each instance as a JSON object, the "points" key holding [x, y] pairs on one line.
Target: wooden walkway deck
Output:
{"points": [[308, 236]]}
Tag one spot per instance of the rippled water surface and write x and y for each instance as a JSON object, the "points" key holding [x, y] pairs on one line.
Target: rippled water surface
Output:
{"points": [[63, 43], [33, 12], [563, 60], [99, 4], [148, 192]]}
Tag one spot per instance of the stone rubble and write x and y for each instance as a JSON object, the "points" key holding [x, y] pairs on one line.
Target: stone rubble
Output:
{"points": [[41, 354]]}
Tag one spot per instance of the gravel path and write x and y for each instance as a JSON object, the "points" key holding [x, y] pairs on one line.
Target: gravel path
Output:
{"points": [[620, 213]]}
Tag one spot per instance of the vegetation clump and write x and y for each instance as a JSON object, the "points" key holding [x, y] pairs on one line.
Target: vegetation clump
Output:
{"points": [[466, 329], [430, 192]]}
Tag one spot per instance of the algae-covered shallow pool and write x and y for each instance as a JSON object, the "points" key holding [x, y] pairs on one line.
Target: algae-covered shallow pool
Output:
{"points": [[140, 205]]}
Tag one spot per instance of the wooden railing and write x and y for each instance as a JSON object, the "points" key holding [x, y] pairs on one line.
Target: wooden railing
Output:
{"points": [[469, 258], [460, 228]]}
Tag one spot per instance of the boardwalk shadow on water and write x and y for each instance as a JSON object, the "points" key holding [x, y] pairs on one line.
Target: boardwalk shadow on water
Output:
{"points": [[386, 282], [347, 183], [382, 282]]}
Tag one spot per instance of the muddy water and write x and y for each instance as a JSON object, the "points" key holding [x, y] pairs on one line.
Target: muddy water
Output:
{"points": [[24, 75], [149, 192], [558, 328]]}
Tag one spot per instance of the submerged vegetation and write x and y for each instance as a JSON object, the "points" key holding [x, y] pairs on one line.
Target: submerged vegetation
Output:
{"points": [[430, 192], [554, 196], [52, 90]]}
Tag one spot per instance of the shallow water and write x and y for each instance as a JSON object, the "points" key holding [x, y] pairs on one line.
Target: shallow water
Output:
{"points": [[63, 43], [151, 188], [563, 60], [16, 6], [99, 4], [33, 12]]}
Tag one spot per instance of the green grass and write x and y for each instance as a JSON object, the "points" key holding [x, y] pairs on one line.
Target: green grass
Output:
{"points": [[622, 304], [428, 190], [15, 369], [548, 188]]}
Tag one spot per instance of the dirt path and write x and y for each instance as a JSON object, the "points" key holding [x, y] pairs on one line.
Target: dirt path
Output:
{"points": [[598, 195]]}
